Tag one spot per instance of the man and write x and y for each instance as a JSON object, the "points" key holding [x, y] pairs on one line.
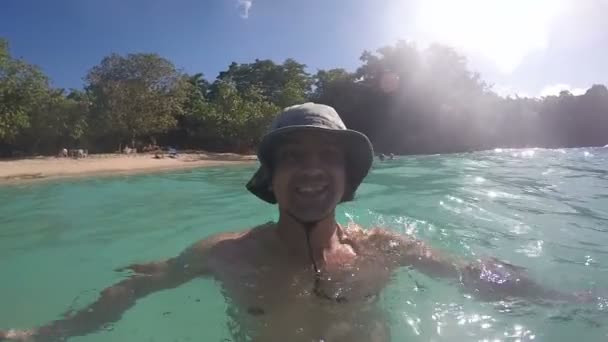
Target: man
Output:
{"points": [[304, 278]]}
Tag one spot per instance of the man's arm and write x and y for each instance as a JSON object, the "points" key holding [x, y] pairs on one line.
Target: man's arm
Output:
{"points": [[115, 300], [488, 279]]}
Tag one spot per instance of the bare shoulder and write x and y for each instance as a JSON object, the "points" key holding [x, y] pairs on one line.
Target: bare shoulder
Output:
{"points": [[198, 257], [225, 242], [378, 236], [210, 242], [386, 242]]}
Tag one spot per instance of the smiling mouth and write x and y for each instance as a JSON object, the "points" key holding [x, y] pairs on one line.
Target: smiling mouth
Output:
{"points": [[311, 190]]}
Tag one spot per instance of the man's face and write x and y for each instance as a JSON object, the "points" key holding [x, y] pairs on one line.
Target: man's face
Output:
{"points": [[309, 175]]}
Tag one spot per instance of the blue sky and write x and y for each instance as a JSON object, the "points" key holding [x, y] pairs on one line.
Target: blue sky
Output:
{"points": [[528, 47]]}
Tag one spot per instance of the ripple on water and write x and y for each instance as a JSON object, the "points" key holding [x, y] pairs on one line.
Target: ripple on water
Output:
{"points": [[533, 249], [545, 210]]}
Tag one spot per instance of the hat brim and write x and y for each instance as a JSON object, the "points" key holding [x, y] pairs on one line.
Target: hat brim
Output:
{"points": [[357, 148]]}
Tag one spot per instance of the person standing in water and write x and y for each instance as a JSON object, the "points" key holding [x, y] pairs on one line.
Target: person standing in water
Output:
{"points": [[305, 277]]}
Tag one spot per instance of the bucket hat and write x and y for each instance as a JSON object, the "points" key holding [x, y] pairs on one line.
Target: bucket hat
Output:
{"points": [[312, 117]]}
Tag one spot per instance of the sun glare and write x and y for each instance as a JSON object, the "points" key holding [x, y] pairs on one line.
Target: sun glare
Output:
{"points": [[500, 31]]}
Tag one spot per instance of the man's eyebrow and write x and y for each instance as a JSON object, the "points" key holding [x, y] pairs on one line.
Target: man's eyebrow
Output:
{"points": [[296, 140], [289, 140], [286, 142], [282, 146]]}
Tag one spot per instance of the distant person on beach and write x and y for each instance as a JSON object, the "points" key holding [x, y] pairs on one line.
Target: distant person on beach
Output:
{"points": [[172, 152], [305, 277], [382, 157], [63, 153]]}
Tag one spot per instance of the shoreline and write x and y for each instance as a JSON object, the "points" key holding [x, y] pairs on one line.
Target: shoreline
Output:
{"points": [[34, 169]]}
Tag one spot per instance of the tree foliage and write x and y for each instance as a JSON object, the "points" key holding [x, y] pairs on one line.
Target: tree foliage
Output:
{"points": [[23, 87], [135, 96], [56, 122], [240, 118], [282, 84], [405, 98], [411, 100]]}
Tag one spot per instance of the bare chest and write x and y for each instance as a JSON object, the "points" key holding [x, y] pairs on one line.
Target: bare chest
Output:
{"points": [[265, 285], [272, 300]]}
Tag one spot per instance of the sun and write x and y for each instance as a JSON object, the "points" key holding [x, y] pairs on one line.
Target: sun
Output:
{"points": [[503, 32]]}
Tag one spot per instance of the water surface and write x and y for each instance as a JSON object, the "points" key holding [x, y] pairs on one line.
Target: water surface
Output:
{"points": [[546, 210]]}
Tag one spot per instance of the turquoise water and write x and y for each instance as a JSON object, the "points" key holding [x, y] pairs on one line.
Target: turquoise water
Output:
{"points": [[546, 210]]}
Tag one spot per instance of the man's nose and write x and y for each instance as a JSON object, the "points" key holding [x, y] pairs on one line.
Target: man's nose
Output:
{"points": [[312, 164]]}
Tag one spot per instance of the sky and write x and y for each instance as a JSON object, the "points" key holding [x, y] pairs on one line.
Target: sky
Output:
{"points": [[523, 47]]}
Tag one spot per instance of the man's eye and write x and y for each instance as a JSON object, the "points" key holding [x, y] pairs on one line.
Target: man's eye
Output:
{"points": [[331, 155], [290, 155]]}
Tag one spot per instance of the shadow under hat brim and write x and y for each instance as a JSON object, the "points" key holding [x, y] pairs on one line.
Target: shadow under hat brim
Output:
{"points": [[357, 148]]}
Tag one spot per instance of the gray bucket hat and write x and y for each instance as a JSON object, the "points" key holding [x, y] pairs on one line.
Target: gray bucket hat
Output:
{"points": [[318, 118]]}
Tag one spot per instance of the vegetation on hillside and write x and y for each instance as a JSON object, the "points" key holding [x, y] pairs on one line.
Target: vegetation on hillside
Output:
{"points": [[406, 99]]}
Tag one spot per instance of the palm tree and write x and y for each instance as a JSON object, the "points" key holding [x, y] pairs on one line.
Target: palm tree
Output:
{"points": [[199, 81]]}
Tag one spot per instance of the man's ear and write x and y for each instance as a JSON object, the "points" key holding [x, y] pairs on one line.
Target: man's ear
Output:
{"points": [[269, 175], [349, 192]]}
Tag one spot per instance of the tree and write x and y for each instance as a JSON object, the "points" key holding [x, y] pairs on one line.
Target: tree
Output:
{"points": [[240, 120], [405, 98], [295, 86], [200, 84], [22, 88], [59, 121], [341, 90], [193, 127], [282, 84], [135, 96]]}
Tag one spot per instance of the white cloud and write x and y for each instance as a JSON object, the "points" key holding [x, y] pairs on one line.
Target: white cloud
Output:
{"points": [[555, 89], [244, 6]]}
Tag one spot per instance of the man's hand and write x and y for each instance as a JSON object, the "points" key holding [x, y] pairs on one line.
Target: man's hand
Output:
{"points": [[115, 300], [488, 279], [17, 335], [148, 268]]}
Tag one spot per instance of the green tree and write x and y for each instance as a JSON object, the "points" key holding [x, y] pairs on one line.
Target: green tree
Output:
{"points": [[199, 84], [406, 99], [135, 96], [409, 100], [193, 127], [58, 121], [23, 87], [282, 84], [241, 119]]}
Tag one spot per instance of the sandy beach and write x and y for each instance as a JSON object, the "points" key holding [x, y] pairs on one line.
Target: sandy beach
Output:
{"points": [[38, 168]]}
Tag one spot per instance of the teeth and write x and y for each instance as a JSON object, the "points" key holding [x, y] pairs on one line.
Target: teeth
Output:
{"points": [[310, 188]]}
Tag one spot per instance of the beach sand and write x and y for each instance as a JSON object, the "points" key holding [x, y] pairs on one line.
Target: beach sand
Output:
{"points": [[37, 168]]}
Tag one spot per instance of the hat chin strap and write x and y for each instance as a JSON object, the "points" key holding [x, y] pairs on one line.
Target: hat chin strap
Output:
{"points": [[308, 227]]}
